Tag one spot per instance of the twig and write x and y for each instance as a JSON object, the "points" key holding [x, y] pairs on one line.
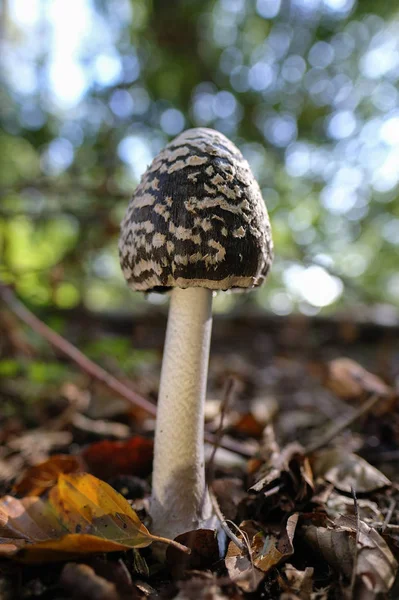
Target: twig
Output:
{"points": [[354, 568], [389, 514], [247, 545], [168, 542], [342, 425], [272, 491], [94, 370], [228, 393], [385, 528], [230, 388], [223, 522], [84, 363]]}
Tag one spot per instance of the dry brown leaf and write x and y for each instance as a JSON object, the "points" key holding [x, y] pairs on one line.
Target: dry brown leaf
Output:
{"points": [[347, 471], [83, 582], [35, 445], [296, 584], [229, 492], [349, 380], [290, 468], [337, 504], [83, 515], [42, 477], [267, 551], [204, 552], [201, 588], [376, 566]]}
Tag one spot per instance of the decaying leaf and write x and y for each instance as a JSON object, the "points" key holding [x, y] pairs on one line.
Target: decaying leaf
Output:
{"points": [[337, 504], [201, 588], [288, 468], [42, 477], [229, 492], [128, 457], [83, 515], [36, 444], [267, 551], [296, 584], [247, 424], [346, 470], [83, 582], [376, 566], [204, 552], [349, 380]]}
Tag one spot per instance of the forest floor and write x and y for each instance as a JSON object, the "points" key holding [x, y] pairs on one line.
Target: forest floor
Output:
{"points": [[305, 475]]}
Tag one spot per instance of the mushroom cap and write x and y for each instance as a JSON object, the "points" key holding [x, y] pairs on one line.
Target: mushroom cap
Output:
{"points": [[197, 219]]}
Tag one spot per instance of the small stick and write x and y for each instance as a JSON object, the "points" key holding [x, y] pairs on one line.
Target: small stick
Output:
{"points": [[385, 528], [230, 388], [223, 522], [94, 370], [84, 363], [342, 425], [389, 514], [168, 542], [354, 569]]}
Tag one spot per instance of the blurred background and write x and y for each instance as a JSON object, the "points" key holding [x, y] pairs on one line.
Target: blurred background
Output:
{"points": [[308, 90]]}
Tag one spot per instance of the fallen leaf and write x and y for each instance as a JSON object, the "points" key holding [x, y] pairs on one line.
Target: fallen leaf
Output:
{"points": [[90, 505], [82, 515], [42, 477], [204, 552], [376, 566], [296, 584], [248, 425], [347, 471], [288, 468], [349, 380], [337, 504], [267, 551], [83, 582], [36, 445], [202, 588], [130, 457], [229, 492]]}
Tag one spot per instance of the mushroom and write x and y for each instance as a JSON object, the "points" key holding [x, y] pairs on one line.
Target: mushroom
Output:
{"points": [[197, 223]]}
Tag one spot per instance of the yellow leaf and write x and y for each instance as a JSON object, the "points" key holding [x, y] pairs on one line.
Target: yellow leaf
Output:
{"points": [[86, 504], [83, 515]]}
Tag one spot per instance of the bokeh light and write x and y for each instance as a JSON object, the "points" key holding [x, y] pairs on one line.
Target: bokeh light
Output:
{"points": [[308, 89]]}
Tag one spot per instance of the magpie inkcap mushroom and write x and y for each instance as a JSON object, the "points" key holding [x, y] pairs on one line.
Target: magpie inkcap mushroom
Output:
{"points": [[196, 223]]}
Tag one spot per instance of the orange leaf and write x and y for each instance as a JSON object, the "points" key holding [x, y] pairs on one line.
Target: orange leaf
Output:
{"points": [[129, 457], [42, 477]]}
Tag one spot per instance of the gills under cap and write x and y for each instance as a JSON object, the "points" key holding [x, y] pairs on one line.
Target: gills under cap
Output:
{"points": [[197, 219]]}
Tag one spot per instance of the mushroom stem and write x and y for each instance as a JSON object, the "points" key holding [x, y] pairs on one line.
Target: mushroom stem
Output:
{"points": [[180, 501]]}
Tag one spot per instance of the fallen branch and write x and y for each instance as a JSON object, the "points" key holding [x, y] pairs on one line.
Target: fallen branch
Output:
{"points": [[68, 349], [94, 370]]}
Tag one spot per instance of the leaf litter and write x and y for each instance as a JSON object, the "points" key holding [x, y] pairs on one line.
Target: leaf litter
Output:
{"points": [[302, 534]]}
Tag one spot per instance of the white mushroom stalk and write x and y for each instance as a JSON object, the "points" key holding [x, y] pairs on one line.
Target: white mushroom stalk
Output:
{"points": [[196, 223], [180, 500]]}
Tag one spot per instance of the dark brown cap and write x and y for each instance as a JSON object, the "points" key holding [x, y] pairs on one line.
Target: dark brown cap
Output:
{"points": [[197, 219]]}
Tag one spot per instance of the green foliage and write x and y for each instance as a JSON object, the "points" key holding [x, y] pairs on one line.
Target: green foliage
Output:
{"points": [[308, 90], [45, 372], [118, 352]]}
